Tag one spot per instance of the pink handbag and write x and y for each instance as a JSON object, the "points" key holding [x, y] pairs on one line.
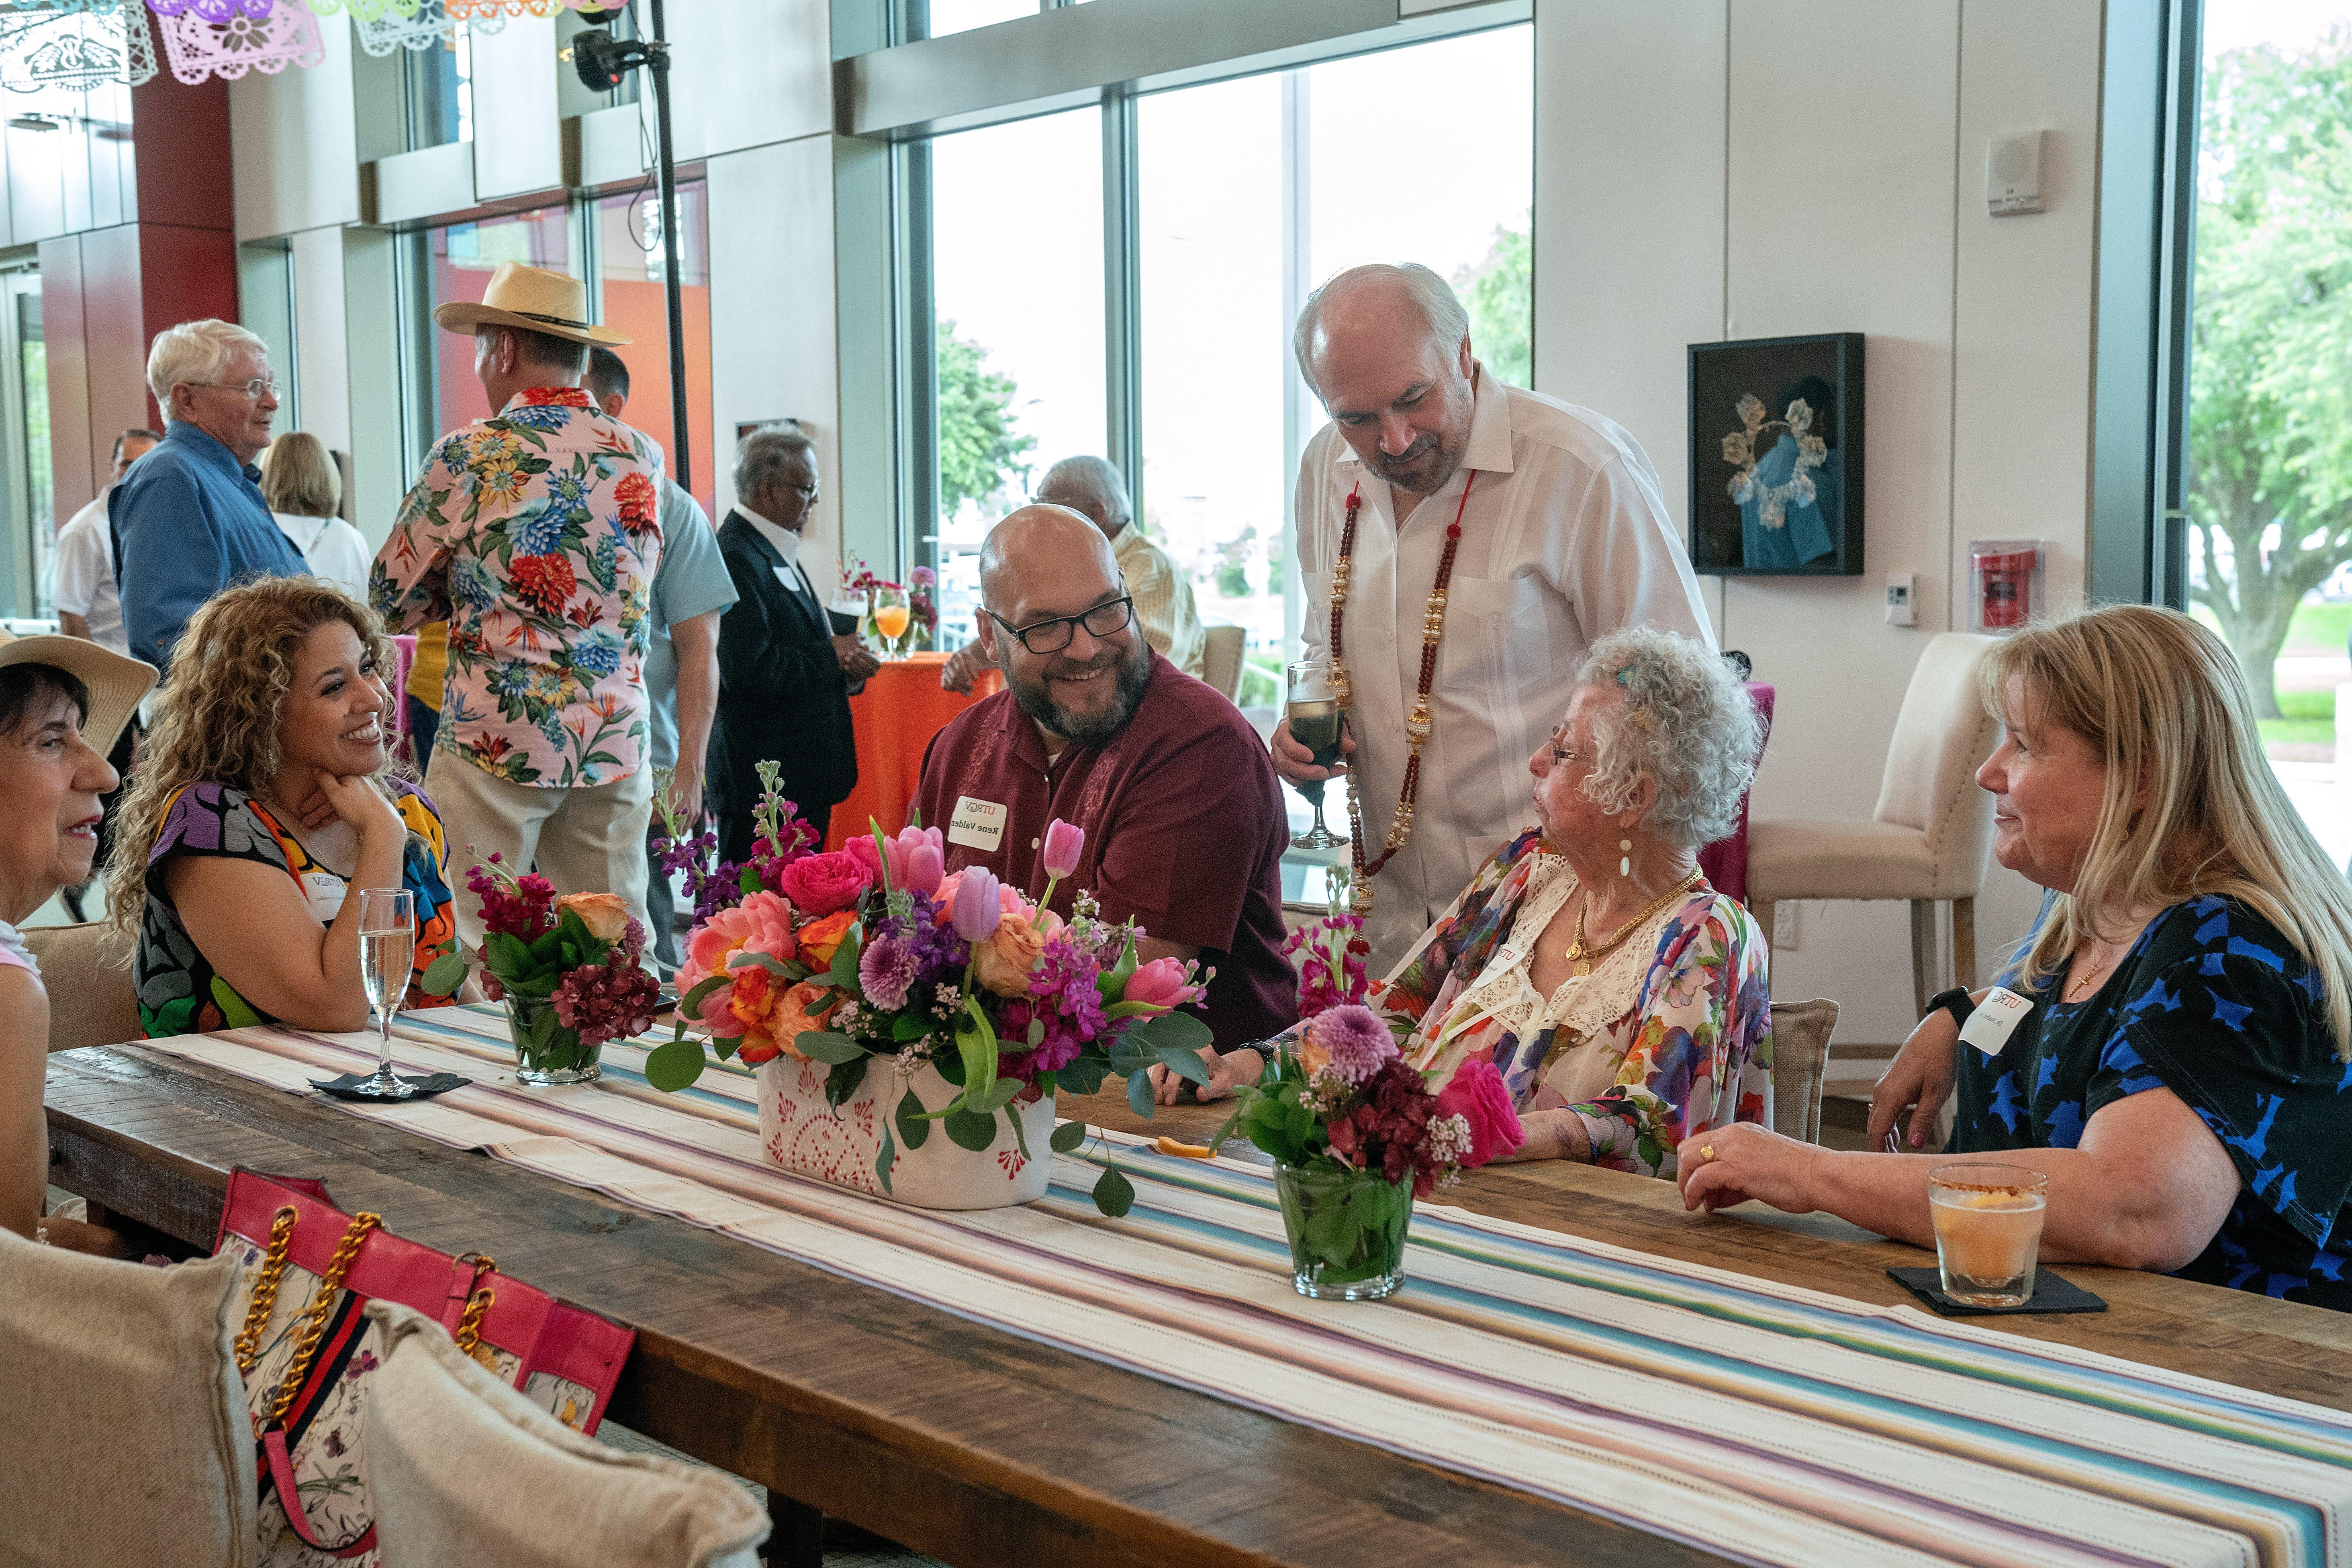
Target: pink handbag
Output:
{"points": [[307, 1347]]}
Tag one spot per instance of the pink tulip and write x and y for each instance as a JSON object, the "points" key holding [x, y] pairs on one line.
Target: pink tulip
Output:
{"points": [[921, 870], [1161, 982], [1063, 844]]}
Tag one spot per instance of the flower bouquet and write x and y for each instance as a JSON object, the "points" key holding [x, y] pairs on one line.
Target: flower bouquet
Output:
{"points": [[884, 1001], [1356, 1135], [566, 968]]}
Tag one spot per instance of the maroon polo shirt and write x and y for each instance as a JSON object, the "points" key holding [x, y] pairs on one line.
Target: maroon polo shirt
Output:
{"points": [[1186, 830]]}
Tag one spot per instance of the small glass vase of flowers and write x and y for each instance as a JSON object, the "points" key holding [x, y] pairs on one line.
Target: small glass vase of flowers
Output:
{"points": [[899, 616], [1357, 1135], [910, 1001], [567, 970]]}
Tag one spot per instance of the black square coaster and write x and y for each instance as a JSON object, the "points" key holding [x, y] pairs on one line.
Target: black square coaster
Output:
{"points": [[2052, 1292], [425, 1088]]}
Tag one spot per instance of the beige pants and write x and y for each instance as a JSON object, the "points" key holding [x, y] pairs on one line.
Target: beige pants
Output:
{"points": [[589, 840]]}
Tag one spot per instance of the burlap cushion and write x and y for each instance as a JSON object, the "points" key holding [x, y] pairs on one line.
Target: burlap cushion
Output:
{"points": [[464, 1469], [125, 1438]]}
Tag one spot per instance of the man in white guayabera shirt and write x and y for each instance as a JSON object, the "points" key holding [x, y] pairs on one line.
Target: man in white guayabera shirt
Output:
{"points": [[1564, 536]]}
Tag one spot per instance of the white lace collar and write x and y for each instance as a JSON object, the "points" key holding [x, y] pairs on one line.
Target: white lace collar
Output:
{"points": [[1584, 1005]]}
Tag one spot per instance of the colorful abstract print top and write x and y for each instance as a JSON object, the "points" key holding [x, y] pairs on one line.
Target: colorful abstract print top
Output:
{"points": [[179, 991], [535, 536], [1690, 1033], [2215, 1005]]}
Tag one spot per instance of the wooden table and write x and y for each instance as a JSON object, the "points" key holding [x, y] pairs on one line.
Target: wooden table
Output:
{"points": [[982, 1448]]}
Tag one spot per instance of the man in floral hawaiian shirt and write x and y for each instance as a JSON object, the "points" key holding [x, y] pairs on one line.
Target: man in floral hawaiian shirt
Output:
{"points": [[535, 533]]}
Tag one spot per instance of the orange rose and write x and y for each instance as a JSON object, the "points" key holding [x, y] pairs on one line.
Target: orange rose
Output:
{"points": [[818, 938], [605, 915], [1003, 962], [791, 1014]]}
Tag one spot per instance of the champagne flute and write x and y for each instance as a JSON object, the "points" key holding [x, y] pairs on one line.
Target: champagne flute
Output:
{"points": [[387, 953], [1316, 717]]}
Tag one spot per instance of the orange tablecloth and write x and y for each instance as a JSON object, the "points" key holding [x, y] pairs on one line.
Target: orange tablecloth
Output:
{"points": [[900, 710]]}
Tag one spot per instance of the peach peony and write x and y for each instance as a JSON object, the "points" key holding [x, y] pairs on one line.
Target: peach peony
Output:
{"points": [[739, 1007], [1004, 961], [606, 915], [818, 938]]}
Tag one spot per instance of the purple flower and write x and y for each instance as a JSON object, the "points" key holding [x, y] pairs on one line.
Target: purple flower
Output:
{"points": [[1064, 842], [887, 969], [633, 937], [923, 577], [1354, 1039], [977, 907]]}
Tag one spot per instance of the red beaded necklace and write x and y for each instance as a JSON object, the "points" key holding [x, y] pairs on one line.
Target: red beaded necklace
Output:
{"points": [[1418, 723]]}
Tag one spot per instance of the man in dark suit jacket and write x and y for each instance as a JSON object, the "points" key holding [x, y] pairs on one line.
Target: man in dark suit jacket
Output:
{"points": [[784, 676]]}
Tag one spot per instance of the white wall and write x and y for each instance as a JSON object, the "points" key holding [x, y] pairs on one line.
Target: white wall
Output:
{"points": [[1712, 169]]}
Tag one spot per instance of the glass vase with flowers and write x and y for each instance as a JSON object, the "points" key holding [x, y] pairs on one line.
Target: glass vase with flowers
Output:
{"points": [[567, 970], [1356, 1135]]}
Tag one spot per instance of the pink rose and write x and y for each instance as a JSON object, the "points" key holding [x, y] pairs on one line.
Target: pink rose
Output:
{"points": [[1162, 983], [820, 884], [1476, 1094]]}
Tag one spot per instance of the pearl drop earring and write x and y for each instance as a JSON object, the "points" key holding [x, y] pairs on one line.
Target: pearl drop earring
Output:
{"points": [[1626, 861]]}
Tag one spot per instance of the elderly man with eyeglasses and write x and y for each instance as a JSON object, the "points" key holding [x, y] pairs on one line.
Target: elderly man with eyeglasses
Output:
{"points": [[1183, 819], [188, 519]]}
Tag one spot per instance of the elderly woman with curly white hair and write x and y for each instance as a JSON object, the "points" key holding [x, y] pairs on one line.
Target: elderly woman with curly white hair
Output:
{"points": [[1622, 1000]]}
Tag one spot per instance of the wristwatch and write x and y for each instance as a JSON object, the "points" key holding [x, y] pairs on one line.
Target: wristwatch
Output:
{"points": [[1957, 1001]]}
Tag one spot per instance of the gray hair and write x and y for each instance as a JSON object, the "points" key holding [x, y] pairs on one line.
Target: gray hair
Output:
{"points": [[759, 460], [196, 351], [1094, 479], [1447, 321], [1686, 723]]}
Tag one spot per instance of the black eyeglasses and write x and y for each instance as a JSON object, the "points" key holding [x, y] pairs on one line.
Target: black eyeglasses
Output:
{"points": [[1053, 635]]}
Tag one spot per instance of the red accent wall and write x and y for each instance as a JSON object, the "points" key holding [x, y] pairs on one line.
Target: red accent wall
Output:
{"points": [[106, 292]]}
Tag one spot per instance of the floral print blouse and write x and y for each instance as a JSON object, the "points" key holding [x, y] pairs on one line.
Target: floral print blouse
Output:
{"points": [[180, 993], [535, 536], [1676, 1039]]}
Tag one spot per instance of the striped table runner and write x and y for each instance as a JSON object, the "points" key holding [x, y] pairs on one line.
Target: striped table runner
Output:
{"points": [[1768, 1423]]}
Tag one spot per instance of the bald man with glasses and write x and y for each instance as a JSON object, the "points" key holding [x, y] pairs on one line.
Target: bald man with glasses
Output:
{"points": [[1184, 822]]}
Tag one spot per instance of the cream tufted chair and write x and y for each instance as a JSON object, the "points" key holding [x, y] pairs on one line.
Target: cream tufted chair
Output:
{"points": [[1931, 836]]}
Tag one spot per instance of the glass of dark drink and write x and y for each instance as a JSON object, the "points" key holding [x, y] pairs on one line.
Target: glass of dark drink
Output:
{"points": [[1316, 718]]}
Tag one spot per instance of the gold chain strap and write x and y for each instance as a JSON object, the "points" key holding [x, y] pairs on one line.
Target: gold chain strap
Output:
{"points": [[470, 1324], [314, 1320], [264, 1290]]}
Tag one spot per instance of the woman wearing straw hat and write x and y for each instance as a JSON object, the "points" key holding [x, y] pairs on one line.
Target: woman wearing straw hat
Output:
{"points": [[63, 700], [535, 534]]}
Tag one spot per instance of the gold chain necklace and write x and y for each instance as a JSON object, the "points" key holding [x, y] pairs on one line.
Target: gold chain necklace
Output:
{"points": [[1419, 722], [1580, 954]]}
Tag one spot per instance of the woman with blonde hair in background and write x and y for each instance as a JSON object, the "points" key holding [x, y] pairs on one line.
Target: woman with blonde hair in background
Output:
{"points": [[305, 492], [2180, 1074], [265, 795]]}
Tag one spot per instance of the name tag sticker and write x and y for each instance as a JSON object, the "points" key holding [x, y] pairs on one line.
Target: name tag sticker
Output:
{"points": [[324, 890], [976, 822], [1995, 1017]]}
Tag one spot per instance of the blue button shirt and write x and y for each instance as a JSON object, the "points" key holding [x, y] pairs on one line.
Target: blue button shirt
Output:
{"points": [[691, 579], [188, 520]]}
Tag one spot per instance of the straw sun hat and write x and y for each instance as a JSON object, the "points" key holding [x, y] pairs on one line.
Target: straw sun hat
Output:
{"points": [[531, 298], [115, 683]]}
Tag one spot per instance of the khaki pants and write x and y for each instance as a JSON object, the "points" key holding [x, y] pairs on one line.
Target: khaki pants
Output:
{"points": [[590, 840]]}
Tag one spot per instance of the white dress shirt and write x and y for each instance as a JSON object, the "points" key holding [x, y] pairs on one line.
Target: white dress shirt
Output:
{"points": [[83, 580], [332, 547], [1565, 537], [792, 575]]}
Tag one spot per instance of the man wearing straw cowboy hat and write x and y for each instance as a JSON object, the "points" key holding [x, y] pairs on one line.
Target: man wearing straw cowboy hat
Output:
{"points": [[535, 534]]}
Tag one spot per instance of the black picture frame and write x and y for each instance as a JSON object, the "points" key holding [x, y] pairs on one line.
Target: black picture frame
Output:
{"points": [[1724, 531]]}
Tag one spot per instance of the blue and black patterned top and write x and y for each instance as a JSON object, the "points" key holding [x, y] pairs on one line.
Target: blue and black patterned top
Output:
{"points": [[2213, 1004]]}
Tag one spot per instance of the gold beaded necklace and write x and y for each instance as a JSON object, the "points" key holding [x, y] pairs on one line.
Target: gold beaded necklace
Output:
{"points": [[1419, 723], [1581, 953]]}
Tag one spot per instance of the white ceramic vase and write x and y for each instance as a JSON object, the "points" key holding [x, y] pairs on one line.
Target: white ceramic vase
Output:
{"points": [[801, 1133]]}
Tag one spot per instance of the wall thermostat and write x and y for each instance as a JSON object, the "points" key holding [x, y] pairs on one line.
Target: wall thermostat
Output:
{"points": [[1902, 598], [2014, 174]]}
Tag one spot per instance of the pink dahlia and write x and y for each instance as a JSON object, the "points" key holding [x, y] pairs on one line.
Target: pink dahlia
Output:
{"points": [[1353, 1040]]}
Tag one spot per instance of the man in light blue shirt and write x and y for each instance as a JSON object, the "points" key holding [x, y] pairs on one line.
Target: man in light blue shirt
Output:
{"points": [[188, 519], [691, 590]]}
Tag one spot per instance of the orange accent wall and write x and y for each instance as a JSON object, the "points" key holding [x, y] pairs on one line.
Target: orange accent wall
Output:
{"points": [[638, 310]]}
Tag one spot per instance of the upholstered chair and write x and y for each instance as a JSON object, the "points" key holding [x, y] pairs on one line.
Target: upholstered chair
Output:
{"points": [[1931, 837], [1800, 1052], [1221, 660], [125, 1438], [462, 1469], [86, 969]]}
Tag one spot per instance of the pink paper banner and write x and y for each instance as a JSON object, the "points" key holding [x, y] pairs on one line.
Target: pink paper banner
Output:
{"points": [[197, 49]]}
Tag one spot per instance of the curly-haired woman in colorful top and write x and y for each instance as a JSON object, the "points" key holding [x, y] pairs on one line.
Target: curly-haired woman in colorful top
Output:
{"points": [[2176, 1050], [264, 794], [1622, 999]]}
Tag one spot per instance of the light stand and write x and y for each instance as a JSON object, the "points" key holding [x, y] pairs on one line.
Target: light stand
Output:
{"points": [[601, 62]]}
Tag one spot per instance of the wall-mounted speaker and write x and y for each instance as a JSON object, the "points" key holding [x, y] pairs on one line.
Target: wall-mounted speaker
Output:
{"points": [[2014, 174]]}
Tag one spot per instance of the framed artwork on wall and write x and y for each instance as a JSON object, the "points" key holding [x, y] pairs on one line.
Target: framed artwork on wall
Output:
{"points": [[1776, 457]]}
